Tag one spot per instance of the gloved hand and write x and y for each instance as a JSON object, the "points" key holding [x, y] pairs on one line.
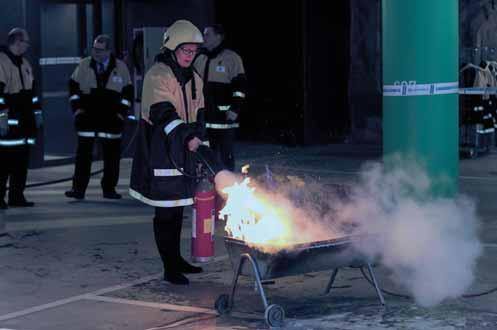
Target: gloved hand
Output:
{"points": [[231, 115], [38, 118], [194, 143], [4, 123]]}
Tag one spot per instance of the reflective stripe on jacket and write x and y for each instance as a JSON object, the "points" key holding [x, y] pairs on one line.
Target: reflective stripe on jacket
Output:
{"points": [[106, 97], [224, 86], [171, 115], [17, 99]]}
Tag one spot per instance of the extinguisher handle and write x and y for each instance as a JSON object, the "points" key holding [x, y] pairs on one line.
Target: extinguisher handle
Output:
{"points": [[206, 157]]}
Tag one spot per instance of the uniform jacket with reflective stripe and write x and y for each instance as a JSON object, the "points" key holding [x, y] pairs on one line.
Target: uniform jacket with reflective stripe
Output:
{"points": [[224, 84], [171, 116], [101, 96], [17, 98]]}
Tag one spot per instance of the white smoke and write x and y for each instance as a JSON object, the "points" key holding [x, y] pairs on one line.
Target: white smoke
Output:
{"points": [[429, 243]]}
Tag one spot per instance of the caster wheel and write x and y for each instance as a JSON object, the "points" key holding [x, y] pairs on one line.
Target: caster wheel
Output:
{"points": [[222, 304], [275, 316]]}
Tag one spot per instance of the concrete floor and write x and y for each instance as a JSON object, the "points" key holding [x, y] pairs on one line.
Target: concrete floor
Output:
{"points": [[93, 264]]}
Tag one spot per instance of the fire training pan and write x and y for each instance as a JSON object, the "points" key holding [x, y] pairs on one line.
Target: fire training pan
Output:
{"points": [[294, 260], [297, 259]]}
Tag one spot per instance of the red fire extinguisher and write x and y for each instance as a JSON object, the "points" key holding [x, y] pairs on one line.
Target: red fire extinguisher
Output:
{"points": [[203, 221]]}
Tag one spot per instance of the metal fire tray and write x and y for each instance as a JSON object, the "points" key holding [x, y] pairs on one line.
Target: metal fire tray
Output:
{"points": [[294, 260]]}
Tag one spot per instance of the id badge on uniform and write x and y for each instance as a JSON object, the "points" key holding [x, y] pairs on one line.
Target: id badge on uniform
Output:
{"points": [[117, 79], [220, 68]]}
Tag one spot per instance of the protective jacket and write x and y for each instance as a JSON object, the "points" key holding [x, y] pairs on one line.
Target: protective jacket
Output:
{"points": [[102, 96], [172, 114], [224, 85], [17, 99]]}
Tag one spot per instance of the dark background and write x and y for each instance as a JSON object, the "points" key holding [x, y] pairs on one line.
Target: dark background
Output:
{"points": [[313, 67]]}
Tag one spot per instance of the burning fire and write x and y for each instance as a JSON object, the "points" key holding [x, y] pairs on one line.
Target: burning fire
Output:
{"points": [[268, 221], [255, 219]]}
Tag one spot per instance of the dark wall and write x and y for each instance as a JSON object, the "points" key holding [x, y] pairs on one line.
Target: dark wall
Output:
{"points": [[327, 61], [365, 82], [296, 60], [60, 34], [269, 41], [159, 13]]}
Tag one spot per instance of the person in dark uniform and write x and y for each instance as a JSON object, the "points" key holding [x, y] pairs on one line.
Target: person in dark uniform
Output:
{"points": [[20, 118], [171, 130], [225, 87], [101, 96]]}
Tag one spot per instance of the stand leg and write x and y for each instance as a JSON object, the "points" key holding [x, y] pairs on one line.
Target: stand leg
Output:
{"points": [[235, 281], [378, 291], [330, 283], [258, 281]]}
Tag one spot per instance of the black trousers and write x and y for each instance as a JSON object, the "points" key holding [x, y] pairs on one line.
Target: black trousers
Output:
{"points": [[111, 149], [14, 162], [222, 142], [167, 231]]}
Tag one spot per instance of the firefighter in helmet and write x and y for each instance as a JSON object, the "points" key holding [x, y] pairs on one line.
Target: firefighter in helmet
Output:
{"points": [[101, 96], [20, 117], [224, 89], [171, 128]]}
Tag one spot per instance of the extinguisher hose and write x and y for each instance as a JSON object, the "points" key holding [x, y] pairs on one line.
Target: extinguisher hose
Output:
{"points": [[202, 159], [199, 157]]}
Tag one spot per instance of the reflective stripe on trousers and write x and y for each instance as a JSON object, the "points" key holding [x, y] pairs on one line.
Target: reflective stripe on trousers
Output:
{"points": [[100, 135]]}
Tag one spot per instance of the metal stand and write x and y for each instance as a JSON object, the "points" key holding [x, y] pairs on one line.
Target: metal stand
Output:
{"points": [[274, 314], [371, 274]]}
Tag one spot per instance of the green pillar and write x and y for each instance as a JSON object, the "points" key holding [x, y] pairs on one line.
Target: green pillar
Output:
{"points": [[420, 77]]}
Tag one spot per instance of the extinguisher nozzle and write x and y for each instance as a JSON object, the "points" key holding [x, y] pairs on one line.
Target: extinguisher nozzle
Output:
{"points": [[225, 179]]}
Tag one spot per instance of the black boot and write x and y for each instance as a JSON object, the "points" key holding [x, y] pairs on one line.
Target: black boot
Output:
{"points": [[176, 278], [75, 194], [20, 202], [112, 194], [176, 275], [187, 268], [165, 232], [182, 265]]}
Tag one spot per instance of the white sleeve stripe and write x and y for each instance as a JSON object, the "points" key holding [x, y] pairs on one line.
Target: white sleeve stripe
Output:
{"points": [[126, 102], [172, 125], [224, 107], [86, 134], [74, 97], [109, 135], [167, 172], [221, 126]]}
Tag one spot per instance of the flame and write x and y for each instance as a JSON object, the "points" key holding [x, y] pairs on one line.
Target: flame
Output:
{"points": [[254, 217], [271, 220]]}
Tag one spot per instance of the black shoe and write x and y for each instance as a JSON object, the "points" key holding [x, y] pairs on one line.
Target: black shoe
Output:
{"points": [[176, 278], [185, 267], [112, 195], [20, 203], [75, 194], [3, 205]]}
